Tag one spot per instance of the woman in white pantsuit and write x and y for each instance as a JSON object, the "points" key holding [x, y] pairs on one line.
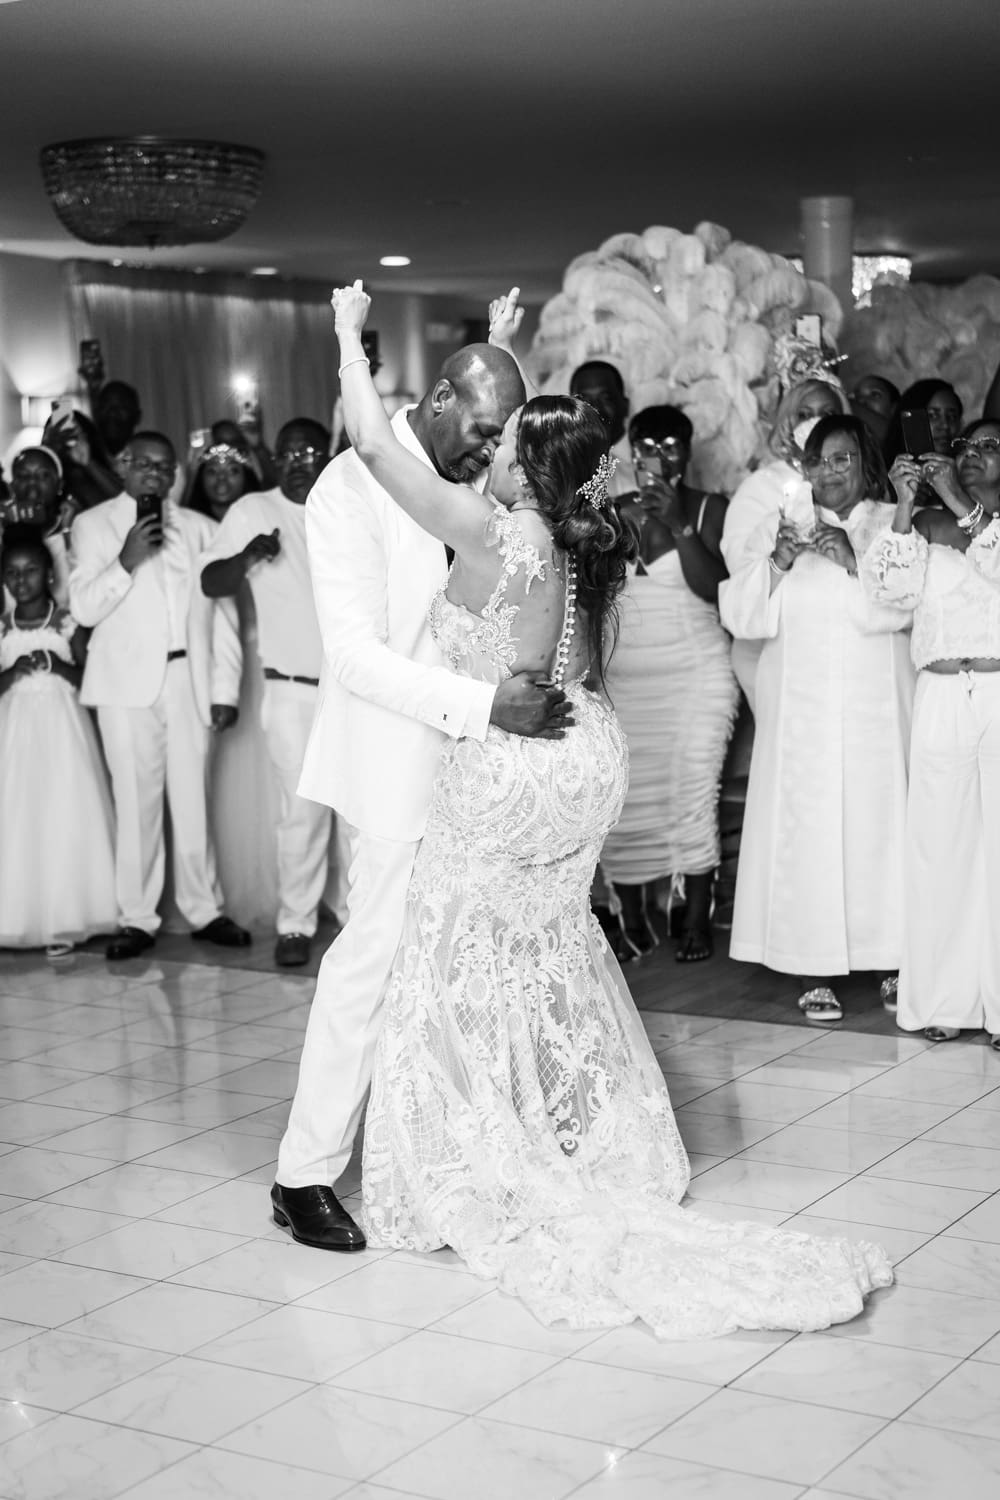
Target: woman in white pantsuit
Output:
{"points": [[945, 566], [818, 890]]}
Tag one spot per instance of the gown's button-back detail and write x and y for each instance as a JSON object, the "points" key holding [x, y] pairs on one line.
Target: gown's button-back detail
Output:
{"points": [[517, 1111]]}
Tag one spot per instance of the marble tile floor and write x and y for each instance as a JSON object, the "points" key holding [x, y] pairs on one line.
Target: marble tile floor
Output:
{"points": [[160, 1339]]}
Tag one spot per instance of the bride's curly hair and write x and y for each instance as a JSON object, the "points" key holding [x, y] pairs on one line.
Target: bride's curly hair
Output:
{"points": [[560, 442]]}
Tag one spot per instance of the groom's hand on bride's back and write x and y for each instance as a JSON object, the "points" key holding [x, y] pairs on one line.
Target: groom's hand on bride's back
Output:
{"points": [[529, 704]]}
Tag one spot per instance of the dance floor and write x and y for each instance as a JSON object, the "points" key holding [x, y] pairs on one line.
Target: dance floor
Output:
{"points": [[160, 1339]]}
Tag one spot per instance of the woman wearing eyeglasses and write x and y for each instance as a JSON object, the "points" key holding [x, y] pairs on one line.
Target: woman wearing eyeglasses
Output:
{"points": [[944, 565], [818, 890]]}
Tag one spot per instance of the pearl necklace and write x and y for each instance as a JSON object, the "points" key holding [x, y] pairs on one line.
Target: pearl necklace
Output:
{"points": [[569, 623]]}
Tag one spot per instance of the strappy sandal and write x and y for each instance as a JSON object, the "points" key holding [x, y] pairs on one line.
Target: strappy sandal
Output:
{"points": [[889, 994], [942, 1033], [821, 1006], [696, 945]]}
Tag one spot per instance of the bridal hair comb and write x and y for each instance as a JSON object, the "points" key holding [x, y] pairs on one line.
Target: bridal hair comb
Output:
{"points": [[595, 489]]}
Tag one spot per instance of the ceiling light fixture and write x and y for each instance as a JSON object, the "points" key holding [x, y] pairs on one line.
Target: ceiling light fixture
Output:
{"points": [[152, 192], [394, 260], [264, 271]]}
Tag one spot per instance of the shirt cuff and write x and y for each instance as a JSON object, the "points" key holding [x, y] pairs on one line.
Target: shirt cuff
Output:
{"points": [[474, 723]]}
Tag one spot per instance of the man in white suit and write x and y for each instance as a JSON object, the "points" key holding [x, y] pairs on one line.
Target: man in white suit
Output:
{"points": [[163, 671], [387, 704]]}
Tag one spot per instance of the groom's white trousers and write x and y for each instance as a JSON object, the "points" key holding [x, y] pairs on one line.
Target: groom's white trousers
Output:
{"points": [[339, 1048]]}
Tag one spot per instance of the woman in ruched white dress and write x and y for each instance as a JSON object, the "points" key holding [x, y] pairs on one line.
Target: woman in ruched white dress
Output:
{"points": [[517, 1111], [819, 884], [944, 565], [673, 689]]}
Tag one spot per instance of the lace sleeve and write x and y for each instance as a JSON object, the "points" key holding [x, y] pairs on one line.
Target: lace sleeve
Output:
{"points": [[984, 552], [503, 532], [894, 568]]}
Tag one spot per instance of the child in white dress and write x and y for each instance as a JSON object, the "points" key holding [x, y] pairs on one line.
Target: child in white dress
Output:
{"points": [[57, 883]]}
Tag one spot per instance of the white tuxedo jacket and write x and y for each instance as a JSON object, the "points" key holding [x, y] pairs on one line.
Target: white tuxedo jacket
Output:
{"points": [[386, 701], [127, 657]]}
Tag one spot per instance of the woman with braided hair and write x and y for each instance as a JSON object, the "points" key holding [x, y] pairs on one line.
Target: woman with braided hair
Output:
{"points": [[517, 1112]]}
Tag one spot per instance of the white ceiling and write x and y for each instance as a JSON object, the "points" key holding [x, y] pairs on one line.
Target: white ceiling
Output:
{"points": [[492, 140]]}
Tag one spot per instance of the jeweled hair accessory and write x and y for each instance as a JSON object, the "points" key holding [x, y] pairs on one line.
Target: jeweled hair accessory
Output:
{"points": [[224, 453], [595, 489], [797, 359]]}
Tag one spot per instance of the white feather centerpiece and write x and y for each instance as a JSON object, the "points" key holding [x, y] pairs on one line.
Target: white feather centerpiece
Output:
{"points": [[914, 330], [689, 319]]}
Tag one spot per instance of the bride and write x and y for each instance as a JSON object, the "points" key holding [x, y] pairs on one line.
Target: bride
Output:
{"points": [[517, 1111]]}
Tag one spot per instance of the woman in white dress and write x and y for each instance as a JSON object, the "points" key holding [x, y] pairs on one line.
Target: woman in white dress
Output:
{"points": [[774, 487], [674, 692], [57, 866], [820, 878], [944, 565], [243, 803], [517, 1111]]}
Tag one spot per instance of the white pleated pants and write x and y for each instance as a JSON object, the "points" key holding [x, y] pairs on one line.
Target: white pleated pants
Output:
{"points": [[339, 1049], [303, 827], [152, 751], [950, 973]]}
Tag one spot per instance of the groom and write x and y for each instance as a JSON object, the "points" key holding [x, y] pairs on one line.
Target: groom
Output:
{"points": [[386, 706]]}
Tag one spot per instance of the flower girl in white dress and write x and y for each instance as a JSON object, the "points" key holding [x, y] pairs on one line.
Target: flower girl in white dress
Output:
{"points": [[518, 1113], [57, 872]]}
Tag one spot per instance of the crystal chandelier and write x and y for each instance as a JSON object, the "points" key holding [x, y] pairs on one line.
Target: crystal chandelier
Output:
{"points": [[868, 271], [152, 192]]}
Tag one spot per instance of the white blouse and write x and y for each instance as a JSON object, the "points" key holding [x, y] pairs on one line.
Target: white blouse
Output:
{"points": [[954, 596]]}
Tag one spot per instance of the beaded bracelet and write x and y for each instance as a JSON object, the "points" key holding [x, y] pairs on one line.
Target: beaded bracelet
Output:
{"points": [[780, 572], [971, 521], [361, 359]]}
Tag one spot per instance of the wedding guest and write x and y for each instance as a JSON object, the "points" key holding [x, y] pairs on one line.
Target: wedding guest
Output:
{"points": [[242, 801], [117, 414], [57, 873], [875, 400], [89, 474], [820, 878], [944, 565], [36, 499], [262, 541], [162, 671], [600, 384], [761, 497], [674, 691]]}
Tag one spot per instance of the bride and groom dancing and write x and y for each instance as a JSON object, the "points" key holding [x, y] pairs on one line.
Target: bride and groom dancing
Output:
{"points": [[517, 1112]]}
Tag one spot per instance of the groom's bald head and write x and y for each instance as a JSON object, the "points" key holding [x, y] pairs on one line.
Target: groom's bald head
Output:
{"points": [[461, 419]]}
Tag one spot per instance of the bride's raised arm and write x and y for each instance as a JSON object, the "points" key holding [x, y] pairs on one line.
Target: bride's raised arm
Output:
{"points": [[454, 512]]}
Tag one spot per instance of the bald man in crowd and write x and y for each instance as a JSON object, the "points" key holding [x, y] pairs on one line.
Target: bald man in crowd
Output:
{"points": [[387, 705]]}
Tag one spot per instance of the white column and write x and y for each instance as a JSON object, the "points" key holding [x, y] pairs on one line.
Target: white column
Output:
{"points": [[828, 245]]}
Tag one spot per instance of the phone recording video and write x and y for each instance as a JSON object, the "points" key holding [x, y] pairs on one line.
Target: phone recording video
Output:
{"points": [[917, 438]]}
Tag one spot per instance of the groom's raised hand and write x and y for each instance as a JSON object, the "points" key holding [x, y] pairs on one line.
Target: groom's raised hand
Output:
{"points": [[529, 704]]}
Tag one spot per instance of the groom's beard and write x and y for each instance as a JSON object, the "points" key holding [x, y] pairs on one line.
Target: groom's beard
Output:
{"points": [[465, 470]]}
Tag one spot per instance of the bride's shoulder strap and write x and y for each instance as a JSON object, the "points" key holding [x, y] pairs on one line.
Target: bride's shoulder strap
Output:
{"points": [[505, 532]]}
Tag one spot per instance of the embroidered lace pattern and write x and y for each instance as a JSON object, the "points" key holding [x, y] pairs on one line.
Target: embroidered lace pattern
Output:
{"points": [[955, 596], [489, 636], [518, 1113]]}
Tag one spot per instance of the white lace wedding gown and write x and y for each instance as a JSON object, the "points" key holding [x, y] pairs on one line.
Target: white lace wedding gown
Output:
{"points": [[517, 1112]]}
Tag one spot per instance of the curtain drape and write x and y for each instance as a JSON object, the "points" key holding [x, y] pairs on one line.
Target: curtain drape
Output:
{"points": [[180, 339]]}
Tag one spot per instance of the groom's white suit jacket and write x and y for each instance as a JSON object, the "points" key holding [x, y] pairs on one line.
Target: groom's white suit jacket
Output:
{"points": [[386, 702], [127, 656]]}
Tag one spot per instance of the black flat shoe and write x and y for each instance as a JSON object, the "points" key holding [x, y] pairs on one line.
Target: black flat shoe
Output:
{"points": [[315, 1216], [225, 932], [292, 949], [129, 943]]}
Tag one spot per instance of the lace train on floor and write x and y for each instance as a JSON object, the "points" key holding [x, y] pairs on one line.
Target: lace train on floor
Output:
{"points": [[517, 1112]]}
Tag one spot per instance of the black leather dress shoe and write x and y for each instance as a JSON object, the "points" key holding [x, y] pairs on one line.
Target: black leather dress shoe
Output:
{"points": [[316, 1217], [129, 943], [292, 949], [225, 932]]}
